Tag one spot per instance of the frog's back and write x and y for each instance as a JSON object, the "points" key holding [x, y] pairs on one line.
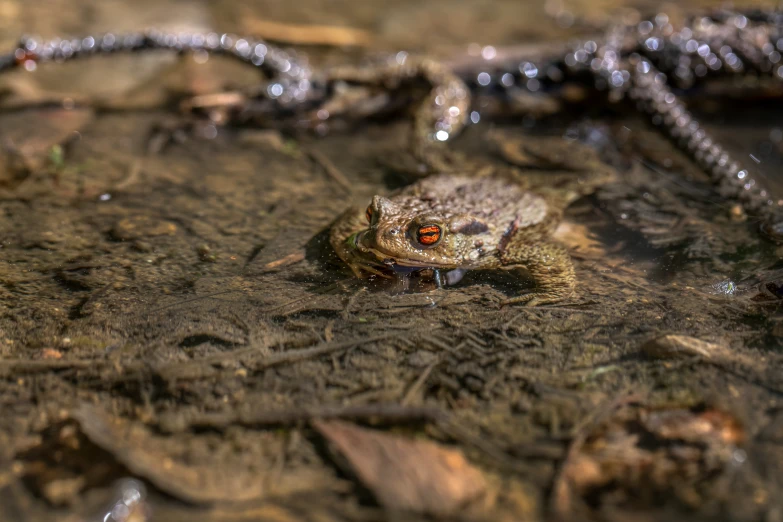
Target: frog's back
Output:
{"points": [[490, 199]]}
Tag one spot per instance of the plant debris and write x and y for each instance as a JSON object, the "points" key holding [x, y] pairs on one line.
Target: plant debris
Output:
{"points": [[406, 474]]}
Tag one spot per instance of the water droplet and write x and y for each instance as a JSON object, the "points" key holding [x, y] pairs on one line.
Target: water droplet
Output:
{"points": [[739, 456], [643, 67], [645, 27], [725, 287], [661, 19], [528, 69], [242, 46], [275, 90], [488, 52], [201, 57]]}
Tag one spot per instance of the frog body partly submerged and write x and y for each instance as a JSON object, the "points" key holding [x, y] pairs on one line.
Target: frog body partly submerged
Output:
{"points": [[454, 222]]}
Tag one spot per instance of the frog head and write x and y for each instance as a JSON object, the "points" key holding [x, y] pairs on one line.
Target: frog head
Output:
{"points": [[406, 236]]}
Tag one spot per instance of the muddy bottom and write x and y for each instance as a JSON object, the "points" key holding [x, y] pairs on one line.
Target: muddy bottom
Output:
{"points": [[178, 340]]}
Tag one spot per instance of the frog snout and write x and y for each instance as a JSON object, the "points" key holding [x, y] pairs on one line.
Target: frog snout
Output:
{"points": [[388, 234]]}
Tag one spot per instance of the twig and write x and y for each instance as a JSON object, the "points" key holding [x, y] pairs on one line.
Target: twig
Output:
{"points": [[287, 303], [189, 301], [133, 174], [330, 169], [290, 259], [419, 383], [43, 365], [259, 419], [290, 356]]}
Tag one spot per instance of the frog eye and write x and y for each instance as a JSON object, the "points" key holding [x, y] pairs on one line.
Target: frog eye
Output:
{"points": [[428, 235], [368, 214]]}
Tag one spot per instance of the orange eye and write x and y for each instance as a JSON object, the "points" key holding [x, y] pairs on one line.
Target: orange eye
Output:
{"points": [[368, 214], [428, 234]]}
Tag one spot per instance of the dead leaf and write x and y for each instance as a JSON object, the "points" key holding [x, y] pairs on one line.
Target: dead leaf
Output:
{"points": [[307, 34], [685, 425], [682, 346], [577, 238], [679, 346], [140, 451], [639, 453], [542, 151], [51, 353], [137, 227], [405, 474], [30, 135]]}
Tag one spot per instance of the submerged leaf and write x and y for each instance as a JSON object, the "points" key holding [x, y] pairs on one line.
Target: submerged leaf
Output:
{"points": [[405, 474]]}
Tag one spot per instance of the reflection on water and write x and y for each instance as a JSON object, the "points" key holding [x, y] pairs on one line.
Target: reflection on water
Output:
{"points": [[176, 272], [130, 504]]}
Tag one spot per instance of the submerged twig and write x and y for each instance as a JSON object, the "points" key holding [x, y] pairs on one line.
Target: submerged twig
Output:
{"points": [[330, 169], [260, 419]]}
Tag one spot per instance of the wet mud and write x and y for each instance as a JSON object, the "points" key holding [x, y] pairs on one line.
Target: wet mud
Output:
{"points": [[178, 340]]}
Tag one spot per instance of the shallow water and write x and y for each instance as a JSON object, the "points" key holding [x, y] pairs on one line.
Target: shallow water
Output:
{"points": [[178, 315]]}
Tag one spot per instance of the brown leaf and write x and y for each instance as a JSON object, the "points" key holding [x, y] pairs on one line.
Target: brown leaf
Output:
{"points": [[682, 346], [713, 425], [307, 34], [137, 227], [32, 134], [678, 346], [406, 474], [140, 451], [633, 456]]}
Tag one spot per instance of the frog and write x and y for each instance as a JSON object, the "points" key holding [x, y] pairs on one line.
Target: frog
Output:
{"points": [[499, 219]]}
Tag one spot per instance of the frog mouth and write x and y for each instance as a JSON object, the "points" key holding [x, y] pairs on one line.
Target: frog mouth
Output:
{"points": [[386, 259]]}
